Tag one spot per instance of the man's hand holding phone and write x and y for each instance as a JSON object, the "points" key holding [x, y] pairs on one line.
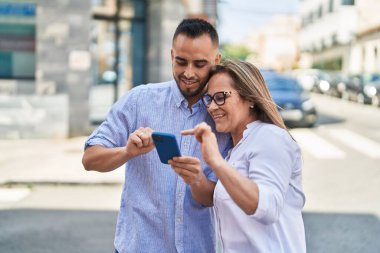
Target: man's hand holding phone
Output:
{"points": [[187, 167], [140, 142]]}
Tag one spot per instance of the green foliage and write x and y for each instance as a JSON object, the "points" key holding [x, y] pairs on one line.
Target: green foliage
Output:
{"points": [[232, 51]]}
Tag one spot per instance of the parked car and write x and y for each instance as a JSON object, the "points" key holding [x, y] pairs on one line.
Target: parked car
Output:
{"points": [[295, 106], [373, 91], [315, 80], [359, 89], [108, 77], [338, 82]]}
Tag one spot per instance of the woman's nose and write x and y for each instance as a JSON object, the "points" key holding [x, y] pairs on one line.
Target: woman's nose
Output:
{"points": [[212, 106]]}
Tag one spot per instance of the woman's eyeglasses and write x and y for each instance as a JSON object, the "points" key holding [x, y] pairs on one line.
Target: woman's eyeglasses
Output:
{"points": [[218, 97]]}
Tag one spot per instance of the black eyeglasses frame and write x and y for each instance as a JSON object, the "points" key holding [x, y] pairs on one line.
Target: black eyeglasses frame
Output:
{"points": [[207, 99]]}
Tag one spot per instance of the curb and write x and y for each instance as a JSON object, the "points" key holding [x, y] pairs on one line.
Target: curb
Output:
{"points": [[51, 183]]}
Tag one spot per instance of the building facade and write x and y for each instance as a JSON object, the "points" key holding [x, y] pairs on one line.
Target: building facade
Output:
{"points": [[365, 51], [340, 35], [327, 29], [60, 60], [276, 44]]}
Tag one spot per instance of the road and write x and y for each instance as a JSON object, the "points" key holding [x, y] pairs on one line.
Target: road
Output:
{"points": [[341, 178], [61, 218]]}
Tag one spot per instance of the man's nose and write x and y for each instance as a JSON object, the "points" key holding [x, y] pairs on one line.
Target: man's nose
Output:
{"points": [[189, 72]]}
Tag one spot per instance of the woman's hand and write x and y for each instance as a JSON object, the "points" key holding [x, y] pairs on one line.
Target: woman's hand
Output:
{"points": [[208, 143], [188, 168]]}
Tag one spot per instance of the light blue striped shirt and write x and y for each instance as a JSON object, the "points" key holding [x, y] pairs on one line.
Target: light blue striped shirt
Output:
{"points": [[157, 211]]}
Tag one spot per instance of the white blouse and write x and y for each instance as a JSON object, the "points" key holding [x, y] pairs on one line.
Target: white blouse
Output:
{"points": [[271, 158]]}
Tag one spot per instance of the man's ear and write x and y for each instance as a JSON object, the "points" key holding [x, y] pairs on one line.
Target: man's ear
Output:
{"points": [[218, 58], [172, 54]]}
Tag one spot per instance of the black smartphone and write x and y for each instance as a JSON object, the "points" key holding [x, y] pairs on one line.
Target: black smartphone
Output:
{"points": [[166, 145]]}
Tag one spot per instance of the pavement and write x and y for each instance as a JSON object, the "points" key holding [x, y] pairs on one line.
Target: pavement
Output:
{"points": [[49, 161]]}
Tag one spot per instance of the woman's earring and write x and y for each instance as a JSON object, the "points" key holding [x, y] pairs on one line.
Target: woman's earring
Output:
{"points": [[252, 106]]}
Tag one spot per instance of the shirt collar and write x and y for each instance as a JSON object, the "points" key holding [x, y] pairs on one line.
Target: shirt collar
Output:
{"points": [[177, 95], [250, 126], [181, 100]]}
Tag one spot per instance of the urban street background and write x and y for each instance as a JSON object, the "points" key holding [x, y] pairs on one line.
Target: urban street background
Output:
{"points": [[58, 207], [64, 63]]}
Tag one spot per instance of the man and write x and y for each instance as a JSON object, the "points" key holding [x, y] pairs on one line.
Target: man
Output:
{"points": [[159, 212]]}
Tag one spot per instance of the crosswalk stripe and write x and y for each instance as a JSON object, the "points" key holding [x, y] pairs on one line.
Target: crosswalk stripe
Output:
{"points": [[13, 194], [357, 142], [316, 145]]}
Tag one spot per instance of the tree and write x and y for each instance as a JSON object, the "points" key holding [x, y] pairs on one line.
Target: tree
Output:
{"points": [[233, 51]]}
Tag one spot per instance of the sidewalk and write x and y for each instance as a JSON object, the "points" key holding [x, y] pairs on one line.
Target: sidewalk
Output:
{"points": [[49, 161]]}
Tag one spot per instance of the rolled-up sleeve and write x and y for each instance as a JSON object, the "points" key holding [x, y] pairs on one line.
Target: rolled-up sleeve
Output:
{"points": [[270, 167], [120, 121]]}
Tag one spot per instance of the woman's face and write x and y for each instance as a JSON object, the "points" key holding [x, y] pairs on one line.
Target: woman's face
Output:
{"points": [[233, 116]]}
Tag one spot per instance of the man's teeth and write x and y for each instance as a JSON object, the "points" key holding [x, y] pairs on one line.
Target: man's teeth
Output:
{"points": [[217, 116], [188, 82]]}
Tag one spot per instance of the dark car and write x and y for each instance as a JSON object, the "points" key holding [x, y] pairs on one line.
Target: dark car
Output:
{"points": [[357, 89], [315, 80], [372, 90], [296, 108], [338, 82]]}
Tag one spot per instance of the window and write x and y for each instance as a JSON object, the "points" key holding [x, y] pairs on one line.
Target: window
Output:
{"points": [[331, 5], [118, 51], [311, 17], [320, 11], [304, 22], [348, 2], [17, 41], [118, 41]]}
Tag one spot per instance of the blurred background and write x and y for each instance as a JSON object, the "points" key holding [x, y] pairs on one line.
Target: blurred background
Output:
{"points": [[63, 63]]}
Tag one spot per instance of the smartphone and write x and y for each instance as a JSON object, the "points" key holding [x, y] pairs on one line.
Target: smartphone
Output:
{"points": [[166, 145]]}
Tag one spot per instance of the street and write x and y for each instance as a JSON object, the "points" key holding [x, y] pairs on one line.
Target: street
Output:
{"points": [[341, 178], [65, 218]]}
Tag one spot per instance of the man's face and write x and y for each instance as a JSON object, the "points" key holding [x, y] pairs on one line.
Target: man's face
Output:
{"points": [[192, 59]]}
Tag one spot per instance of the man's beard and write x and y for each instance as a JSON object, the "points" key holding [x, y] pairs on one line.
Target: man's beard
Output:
{"points": [[191, 94]]}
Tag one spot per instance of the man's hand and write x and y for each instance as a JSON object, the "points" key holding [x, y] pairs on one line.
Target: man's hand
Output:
{"points": [[139, 142]]}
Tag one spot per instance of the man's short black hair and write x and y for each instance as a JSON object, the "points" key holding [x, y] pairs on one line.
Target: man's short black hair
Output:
{"points": [[195, 27]]}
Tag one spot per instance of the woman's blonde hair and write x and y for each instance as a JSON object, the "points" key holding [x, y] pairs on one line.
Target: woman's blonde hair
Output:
{"points": [[250, 85]]}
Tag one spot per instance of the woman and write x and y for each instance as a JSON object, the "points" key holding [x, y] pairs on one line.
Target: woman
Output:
{"points": [[258, 198]]}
